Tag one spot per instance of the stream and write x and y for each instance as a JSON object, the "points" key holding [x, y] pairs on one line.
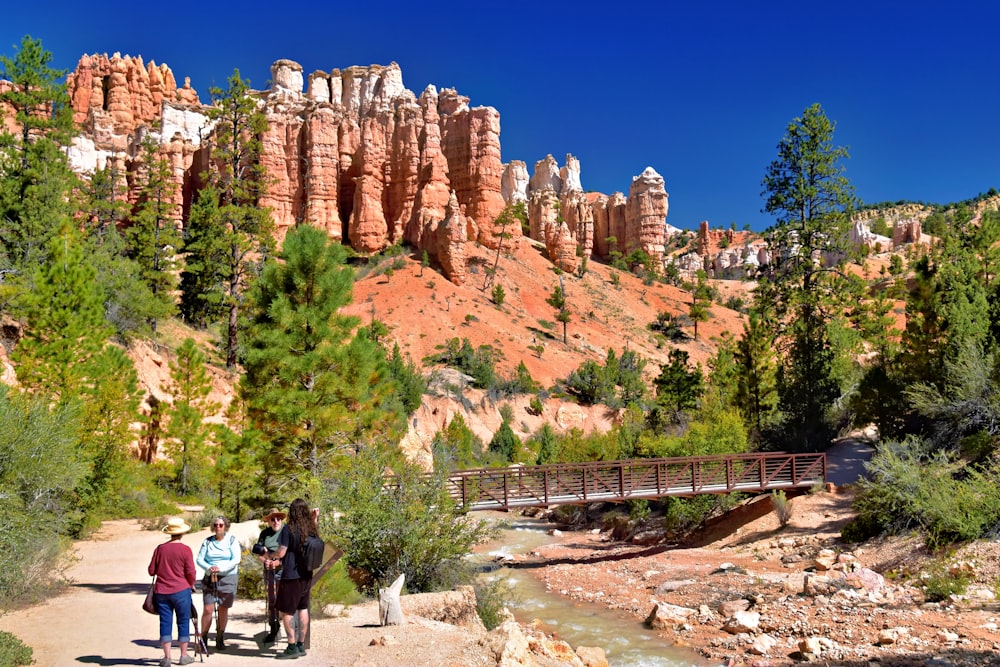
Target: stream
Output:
{"points": [[626, 642]]}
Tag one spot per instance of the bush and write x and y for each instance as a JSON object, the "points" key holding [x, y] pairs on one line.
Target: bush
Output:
{"points": [[940, 583], [493, 595], [782, 508], [409, 525], [14, 652], [909, 487], [335, 587]]}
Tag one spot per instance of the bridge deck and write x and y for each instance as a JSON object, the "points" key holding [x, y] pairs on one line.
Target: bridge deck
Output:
{"points": [[616, 481]]}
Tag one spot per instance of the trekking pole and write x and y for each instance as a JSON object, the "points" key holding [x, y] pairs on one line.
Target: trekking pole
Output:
{"points": [[215, 608]]}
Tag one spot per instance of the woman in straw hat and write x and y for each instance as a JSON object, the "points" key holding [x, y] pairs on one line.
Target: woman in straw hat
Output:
{"points": [[173, 565], [266, 550]]}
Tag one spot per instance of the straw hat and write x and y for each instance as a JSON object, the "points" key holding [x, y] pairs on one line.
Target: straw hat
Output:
{"points": [[274, 512], [176, 526]]}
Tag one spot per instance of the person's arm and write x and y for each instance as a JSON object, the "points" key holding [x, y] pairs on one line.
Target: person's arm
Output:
{"points": [[235, 555], [189, 572], [152, 562], [283, 538], [202, 559]]}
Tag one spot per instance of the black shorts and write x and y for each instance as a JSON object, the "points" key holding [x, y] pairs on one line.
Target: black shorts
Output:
{"points": [[293, 594]]}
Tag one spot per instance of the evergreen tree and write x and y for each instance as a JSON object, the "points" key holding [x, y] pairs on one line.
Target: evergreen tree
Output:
{"points": [[154, 237], [456, 446], [205, 268], [558, 301], [65, 322], [35, 178], [701, 301], [313, 388], [756, 393], [242, 228], [505, 443], [678, 388], [547, 444], [127, 298], [189, 435], [811, 199]]}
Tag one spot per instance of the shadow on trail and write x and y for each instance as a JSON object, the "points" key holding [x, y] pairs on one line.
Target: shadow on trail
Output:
{"points": [[129, 589]]}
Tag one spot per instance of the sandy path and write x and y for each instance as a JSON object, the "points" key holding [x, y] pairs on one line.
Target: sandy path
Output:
{"points": [[99, 619]]}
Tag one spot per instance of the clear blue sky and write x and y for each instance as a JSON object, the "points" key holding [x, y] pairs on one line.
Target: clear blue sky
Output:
{"points": [[700, 91]]}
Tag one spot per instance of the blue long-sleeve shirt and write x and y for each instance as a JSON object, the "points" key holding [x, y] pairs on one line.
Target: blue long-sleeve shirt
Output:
{"points": [[224, 554]]}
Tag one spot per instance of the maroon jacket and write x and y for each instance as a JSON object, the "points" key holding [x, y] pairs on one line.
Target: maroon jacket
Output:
{"points": [[173, 565]]}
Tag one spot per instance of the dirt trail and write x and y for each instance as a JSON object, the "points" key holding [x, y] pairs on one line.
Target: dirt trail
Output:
{"points": [[99, 619]]}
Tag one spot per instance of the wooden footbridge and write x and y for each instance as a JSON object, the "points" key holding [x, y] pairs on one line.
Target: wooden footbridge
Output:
{"points": [[616, 481]]}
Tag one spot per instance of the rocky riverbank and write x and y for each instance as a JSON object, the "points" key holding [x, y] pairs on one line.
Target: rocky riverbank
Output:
{"points": [[753, 593]]}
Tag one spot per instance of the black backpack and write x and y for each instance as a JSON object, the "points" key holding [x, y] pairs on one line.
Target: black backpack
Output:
{"points": [[312, 553]]}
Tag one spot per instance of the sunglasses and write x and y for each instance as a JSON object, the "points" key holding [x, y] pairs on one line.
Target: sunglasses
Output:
{"points": [[273, 519], [218, 525]]}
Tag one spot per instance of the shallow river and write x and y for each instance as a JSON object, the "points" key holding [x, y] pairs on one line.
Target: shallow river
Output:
{"points": [[625, 640]]}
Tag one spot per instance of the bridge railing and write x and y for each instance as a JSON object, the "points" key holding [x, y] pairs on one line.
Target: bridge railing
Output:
{"points": [[574, 483]]}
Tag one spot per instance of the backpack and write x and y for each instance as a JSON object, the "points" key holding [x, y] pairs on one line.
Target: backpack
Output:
{"points": [[312, 553]]}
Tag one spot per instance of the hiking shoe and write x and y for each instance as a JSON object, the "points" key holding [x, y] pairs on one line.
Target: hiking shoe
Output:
{"points": [[290, 653], [270, 637], [300, 648], [220, 645], [164, 662], [185, 660]]}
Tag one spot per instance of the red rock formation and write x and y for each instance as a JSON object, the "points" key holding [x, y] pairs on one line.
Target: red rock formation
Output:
{"points": [[120, 93], [646, 214], [451, 243], [433, 195], [470, 140]]}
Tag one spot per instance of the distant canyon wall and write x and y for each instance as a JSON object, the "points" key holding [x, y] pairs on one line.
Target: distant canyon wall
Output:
{"points": [[360, 156]]}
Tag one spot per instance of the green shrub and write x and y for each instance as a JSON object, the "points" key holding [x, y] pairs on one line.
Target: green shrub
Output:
{"points": [[335, 587], [499, 294], [493, 595], [940, 583], [14, 652], [782, 508], [410, 526]]}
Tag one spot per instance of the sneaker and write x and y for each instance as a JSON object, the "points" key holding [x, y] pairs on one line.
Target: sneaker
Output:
{"points": [[290, 653], [185, 660], [164, 662], [300, 648]]}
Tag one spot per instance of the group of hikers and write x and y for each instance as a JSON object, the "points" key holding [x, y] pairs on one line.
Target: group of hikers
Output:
{"points": [[280, 549]]}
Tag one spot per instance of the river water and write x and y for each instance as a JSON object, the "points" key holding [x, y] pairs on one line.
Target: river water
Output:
{"points": [[625, 640]]}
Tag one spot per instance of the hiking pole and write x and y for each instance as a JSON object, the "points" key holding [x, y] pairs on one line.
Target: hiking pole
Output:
{"points": [[215, 609], [200, 647]]}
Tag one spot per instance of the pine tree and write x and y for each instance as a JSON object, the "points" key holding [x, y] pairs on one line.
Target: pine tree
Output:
{"points": [[153, 237], [558, 301], [313, 387], [65, 321], [756, 393], [35, 180], [807, 192], [505, 443], [240, 181], [189, 435], [205, 268], [701, 301]]}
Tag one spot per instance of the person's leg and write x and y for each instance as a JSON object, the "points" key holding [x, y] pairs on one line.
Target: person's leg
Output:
{"points": [[208, 608], [220, 625], [166, 613], [182, 607], [303, 615]]}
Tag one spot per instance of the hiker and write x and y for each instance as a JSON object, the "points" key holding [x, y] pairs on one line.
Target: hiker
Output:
{"points": [[173, 566], [293, 593], [219, 557], [266, 550]]}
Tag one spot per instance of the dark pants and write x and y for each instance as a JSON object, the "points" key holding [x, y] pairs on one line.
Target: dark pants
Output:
{"points": [[271, 580]]}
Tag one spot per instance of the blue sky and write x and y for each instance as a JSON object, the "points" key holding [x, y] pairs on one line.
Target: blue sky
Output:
{"points": [[700, 91]]}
